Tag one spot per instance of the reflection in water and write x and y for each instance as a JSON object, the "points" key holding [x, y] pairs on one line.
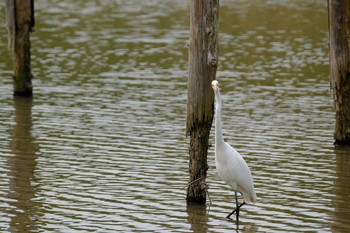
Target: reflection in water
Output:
{"points": [[22, 167], [200, 219], [109, 116], [341, 201], [197, 217]]}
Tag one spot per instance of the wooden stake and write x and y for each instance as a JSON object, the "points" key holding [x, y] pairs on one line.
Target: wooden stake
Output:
{"points": [[20, 22], [339, 41], [203, 59]]}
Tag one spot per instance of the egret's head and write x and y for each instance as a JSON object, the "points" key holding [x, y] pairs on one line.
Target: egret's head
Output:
{"points": [[215, 85]]}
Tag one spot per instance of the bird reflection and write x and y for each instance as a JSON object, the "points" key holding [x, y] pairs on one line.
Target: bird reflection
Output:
{"points": [[22, 168]]}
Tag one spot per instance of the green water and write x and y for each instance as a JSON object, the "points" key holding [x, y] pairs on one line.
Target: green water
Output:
{"points": [[101, 146]]}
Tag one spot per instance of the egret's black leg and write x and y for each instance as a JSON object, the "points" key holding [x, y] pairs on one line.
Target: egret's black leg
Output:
{"points": [[237, 208], [242, 204]]}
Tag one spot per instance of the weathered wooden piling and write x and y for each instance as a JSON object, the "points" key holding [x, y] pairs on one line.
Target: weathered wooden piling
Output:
{"points": [[339, 41], [203, 60], [20, 22]]}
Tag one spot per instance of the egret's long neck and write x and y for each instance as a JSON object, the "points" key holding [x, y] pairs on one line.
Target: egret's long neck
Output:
{"points": [[218, 131]]}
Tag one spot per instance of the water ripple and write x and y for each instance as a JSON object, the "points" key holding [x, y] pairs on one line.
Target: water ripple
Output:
{"points": [[101, 147]]}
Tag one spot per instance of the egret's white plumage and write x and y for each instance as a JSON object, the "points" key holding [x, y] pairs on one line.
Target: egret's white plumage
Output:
{"points": [[229, 163]]}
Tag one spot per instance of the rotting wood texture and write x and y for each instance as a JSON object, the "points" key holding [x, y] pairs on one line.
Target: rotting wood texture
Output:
{"points": [[339, 41], [20, 22], [203, 61]]}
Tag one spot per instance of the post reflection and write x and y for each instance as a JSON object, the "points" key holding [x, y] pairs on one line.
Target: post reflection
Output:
{"points": [[22, 165], [340, 201], [197, 217]]}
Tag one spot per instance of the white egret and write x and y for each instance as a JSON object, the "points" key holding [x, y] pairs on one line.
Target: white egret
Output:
{"points": [[229, 163]]}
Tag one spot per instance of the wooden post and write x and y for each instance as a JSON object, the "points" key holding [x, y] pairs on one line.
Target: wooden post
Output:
{"points": [[20, 22], [339, 41], [203, 59]]}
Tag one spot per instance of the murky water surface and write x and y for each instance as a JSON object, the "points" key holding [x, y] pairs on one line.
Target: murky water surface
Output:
{"points": [[101, 146]]}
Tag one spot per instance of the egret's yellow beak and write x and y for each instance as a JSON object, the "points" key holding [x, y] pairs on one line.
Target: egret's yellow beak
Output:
{"points": [[215, 84]]}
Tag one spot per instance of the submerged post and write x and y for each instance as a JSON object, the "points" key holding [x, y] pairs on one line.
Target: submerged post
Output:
{"points": [[203, 58], [339, 41], [20, 22]]}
